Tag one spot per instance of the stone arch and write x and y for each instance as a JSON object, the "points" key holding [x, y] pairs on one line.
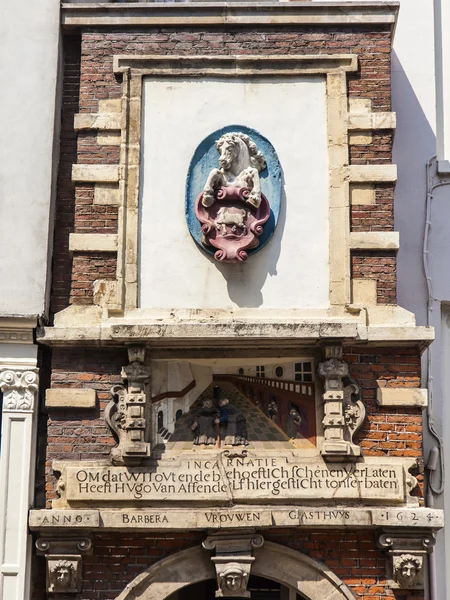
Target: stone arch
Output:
{"points": [[308, 577]]}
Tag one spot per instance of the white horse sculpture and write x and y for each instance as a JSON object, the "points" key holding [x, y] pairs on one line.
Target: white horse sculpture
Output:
{"points": [[240, 162]]}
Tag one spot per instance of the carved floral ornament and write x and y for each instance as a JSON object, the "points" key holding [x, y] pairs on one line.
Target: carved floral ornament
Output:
{"points": [[229, 215], [344, 412], [19, 389], [127, 412]]}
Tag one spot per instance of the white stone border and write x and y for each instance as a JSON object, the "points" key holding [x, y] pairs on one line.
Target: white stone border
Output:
{"points": [[334, 67]]}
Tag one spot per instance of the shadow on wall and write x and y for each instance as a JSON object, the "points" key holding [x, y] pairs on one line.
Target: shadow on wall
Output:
{"points": [[246, 280], [414, 144]]}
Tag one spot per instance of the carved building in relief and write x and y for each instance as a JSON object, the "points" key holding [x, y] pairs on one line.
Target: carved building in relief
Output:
{"points": [[225, 339]]}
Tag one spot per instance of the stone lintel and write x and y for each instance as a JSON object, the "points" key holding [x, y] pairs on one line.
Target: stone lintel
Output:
{"points": [[179, 519], [93, 242], [402, 397], [236, 65], [374, 240], [70, 398], [229, 13]]}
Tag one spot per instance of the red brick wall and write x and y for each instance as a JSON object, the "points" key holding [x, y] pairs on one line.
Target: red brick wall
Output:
{"points": [[381, 266], [92, 79], [118, 558]]}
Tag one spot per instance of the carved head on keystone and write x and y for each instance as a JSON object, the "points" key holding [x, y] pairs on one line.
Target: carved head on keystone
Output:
{"points": [[407, 568], [233, 580], [61, 575]]}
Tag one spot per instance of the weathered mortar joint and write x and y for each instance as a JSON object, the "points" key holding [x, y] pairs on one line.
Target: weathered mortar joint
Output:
{"points": [[343, 415], [127, 414], [233, 561], [405, 554], [64, 560]]}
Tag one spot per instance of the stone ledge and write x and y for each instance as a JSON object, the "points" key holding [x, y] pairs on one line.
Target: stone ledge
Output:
{"points": [[93, 242], [235, 65], [375, 240], [402, 397], [229, 13], [364, 121], [326, 517], [94, 173], [372, 173], [103, 121], [70, 398]]}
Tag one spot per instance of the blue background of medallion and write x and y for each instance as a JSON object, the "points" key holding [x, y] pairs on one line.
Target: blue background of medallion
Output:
{"points": [[206, 158]]}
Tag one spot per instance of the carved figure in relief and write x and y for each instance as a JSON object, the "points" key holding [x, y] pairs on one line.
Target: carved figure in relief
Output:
{"points": [[232, 425], [235, 219], [272, 411], [407, 570], [233, 581], [204, 426], [231, 208], [293, 423], [240, 162], [61, 575]]}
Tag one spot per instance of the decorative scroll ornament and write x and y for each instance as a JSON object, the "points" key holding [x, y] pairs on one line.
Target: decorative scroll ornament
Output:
{"points": [[233, 562], [19, 389], [127, 413], [405, 554], [344, 412], [235, 216]]}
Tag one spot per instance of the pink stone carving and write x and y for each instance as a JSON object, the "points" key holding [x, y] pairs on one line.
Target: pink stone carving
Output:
{"points": [[232, 224]]}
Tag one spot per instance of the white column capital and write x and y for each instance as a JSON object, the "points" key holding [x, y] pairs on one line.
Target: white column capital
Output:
{"points": [[19, 387]]}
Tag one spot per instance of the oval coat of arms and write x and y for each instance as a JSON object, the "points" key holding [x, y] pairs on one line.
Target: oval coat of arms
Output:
{"points": [[233, 193]]}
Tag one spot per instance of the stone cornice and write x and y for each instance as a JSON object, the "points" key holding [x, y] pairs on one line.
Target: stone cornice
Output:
{"points": [[17, 329], [236, 334], [228, 13]]}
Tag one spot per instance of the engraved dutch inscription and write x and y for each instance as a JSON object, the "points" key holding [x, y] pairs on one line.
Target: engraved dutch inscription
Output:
{"points": [[252, 477]]}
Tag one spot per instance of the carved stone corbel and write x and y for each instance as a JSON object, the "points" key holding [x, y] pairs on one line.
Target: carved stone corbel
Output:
{"points": [[128, 413], [233, 561], [64, 557], [405, 556], [344, 413]]}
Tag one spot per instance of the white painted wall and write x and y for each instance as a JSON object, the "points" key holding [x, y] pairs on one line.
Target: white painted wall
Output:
{"points": [[178, 115], [29, 35]]}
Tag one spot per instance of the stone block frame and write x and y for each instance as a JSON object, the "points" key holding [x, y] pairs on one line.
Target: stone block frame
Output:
{"points": [[333, 67]]}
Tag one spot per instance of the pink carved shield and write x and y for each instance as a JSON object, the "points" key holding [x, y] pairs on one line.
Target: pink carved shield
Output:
{"points": [[231, 224]]}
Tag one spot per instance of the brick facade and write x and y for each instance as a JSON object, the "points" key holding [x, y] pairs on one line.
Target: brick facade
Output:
{"points": [[90, 78], [83, 435]]}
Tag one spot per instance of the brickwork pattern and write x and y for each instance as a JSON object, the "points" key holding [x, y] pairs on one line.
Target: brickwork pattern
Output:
{"points": [[381, 266], [375, 217], [118, 559], [96, 81]]}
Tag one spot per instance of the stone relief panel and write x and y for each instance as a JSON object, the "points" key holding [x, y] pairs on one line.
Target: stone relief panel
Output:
{"points": [[227, 212]]}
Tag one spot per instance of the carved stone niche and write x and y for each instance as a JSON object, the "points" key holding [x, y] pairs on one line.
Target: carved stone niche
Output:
{"points": [[64, 557], [406, 552], [233, 561], [344, 412], [128, 413]]}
